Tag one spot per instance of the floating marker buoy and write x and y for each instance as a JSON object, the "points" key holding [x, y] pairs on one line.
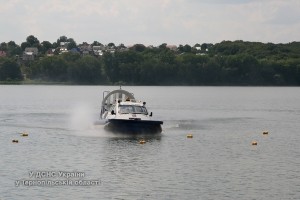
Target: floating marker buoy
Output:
{"points": [[189, 136], [15, 141], [142, 141], [254, 142], [24, 134], [265, 132]]}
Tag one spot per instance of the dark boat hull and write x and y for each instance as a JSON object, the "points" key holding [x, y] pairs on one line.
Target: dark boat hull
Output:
{"points": [[135, 127]]}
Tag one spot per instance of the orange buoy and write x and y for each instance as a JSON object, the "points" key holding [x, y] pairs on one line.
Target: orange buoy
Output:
{"points": [[254, 142], [142, 141], [189, 136]]}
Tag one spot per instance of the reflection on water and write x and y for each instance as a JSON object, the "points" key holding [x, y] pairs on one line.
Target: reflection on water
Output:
{"points": [[219, 162]]}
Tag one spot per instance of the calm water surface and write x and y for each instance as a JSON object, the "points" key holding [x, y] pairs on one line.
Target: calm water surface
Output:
{"points": [[219, 162]]}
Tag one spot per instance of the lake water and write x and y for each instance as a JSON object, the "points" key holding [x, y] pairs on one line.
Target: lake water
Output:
{"points": [[219, 162]]}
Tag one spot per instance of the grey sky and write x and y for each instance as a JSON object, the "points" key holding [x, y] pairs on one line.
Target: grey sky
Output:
{"points": [[151, 21]]}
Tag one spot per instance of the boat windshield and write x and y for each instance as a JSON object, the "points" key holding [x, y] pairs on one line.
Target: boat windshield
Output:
{"points": [[125, 109]]}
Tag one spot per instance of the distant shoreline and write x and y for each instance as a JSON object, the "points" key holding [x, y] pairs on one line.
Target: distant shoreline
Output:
{"points": [[39, 82], [33, 82], [227, 63]]}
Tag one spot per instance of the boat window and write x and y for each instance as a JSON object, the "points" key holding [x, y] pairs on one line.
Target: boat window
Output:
{"points": [[124, 109]]}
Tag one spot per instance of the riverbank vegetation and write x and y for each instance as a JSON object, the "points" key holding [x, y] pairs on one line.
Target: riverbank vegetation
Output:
{"points": [[224, 63]]}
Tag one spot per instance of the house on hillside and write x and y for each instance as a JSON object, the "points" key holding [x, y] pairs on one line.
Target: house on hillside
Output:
{"points": [[98, 50], [172, 47], [110, 49], [123, 49], [30, 53], [85, 49], [50, 52], [63, 47], [2, 54]]}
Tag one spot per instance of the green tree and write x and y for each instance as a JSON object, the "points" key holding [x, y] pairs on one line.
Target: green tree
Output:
{"points": [[13, 49], [163, 46], [96, 43], [24, 45], [61, 39], [87, 70], [9, 70], [70, 57], [111, 45], [167, 56], [71, 43], [128, 57], [204, 46], [53, 68], [3, 46], [138, 47], [111, 67], [187, 48], [46, 45], [32, 41], [129, 73]]}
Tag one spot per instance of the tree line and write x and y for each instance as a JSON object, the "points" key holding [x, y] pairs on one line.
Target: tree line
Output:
{"points": [[224, 63]]}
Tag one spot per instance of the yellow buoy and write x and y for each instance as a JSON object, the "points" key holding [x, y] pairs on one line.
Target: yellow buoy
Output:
{"points": [[254, 142], [24, 134], [189, 136], [142, 141], [15, 141], [265, 132]]}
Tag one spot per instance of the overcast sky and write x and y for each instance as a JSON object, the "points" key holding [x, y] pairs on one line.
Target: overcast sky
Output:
{"points": [[151, 21]]}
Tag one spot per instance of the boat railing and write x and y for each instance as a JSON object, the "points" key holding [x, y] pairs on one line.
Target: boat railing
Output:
{"points": [[110, 98]]}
